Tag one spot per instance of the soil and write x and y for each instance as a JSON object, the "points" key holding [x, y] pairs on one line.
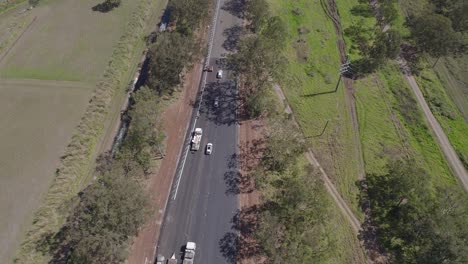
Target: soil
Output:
{"points": [[251, 143], [176, 119]]}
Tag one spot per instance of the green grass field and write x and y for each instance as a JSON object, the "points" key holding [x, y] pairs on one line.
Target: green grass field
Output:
{"points": [[444, 109], [385, 134], [38, 118], [445, 88], [453, 75], [312, 70], [304, 83], [68, 41]]}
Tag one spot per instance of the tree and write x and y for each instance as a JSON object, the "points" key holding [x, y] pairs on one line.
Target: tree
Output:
{"points": [[257, 12], [455, 10], [187, 14], [107, 6], [108, 213], [389, 11], [386, 46], [284, 145], [434, 34], [411, 222], [168, 57], [34, 2], [145, 135]]}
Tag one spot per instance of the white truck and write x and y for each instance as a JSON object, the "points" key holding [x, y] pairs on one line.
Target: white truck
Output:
{"points": [[189, 253], [196, 139]]}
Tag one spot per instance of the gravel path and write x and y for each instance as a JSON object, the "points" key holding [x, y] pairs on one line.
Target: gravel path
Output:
{"points": [[452, 158]]}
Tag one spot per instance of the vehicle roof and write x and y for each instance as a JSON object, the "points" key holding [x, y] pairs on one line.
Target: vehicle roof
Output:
{"points": [[191, 245]]}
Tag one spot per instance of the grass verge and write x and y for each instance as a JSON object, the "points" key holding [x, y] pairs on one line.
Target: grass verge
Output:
{"points": [[312, 89], [76, 160]]}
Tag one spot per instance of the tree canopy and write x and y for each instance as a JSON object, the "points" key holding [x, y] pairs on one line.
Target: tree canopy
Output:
{"points": [[434, 34], [413, 224]]}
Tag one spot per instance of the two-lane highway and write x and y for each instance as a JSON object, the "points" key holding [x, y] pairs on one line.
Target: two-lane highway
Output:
{"points": [[203, 199]]}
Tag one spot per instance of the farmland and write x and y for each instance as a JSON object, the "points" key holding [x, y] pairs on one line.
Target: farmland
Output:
{"points": [[51, 60], [39, 118], [64, 45]]}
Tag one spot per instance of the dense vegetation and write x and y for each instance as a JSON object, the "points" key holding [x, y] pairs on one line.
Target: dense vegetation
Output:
{"points": [[259, 59], [439, 28], [176, 48], [418, 220], [111, 210], [374, 45], [416, 224], [292, 214]]}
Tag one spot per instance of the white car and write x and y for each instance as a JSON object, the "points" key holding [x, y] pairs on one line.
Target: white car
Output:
{"points": [[160, 259], [216, 102], [209, 148], [219, 74]]}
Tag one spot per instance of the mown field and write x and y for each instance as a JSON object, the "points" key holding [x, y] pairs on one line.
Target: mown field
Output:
{"points": [[69, 41], [38, 119], [309, 83], [48, 72]]}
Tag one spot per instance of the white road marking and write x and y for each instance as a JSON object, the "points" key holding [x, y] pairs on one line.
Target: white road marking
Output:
{"points": [[207, 61]]}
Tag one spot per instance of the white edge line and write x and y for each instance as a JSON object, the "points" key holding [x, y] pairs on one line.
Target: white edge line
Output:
{"points": [[207, 61]]}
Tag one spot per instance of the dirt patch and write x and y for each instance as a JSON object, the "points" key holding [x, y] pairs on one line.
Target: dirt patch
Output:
{"points": [[251, 143]]}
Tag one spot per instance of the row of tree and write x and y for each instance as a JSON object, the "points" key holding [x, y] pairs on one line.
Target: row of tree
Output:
{"points": [[292, 216], [292, 221], [175, 49], [439, 29], [258, 59], [111, 210], [414, 223]]}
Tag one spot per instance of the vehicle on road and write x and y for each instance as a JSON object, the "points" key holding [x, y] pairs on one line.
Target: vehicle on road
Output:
{"points": [[160, 259], [172, 260], [216, 102], [209, 148], [219, 74], [209, 68], [196, 138], [189, 253]]}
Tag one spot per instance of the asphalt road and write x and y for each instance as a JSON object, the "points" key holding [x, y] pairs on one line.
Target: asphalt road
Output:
{"points": [[203, 202]]}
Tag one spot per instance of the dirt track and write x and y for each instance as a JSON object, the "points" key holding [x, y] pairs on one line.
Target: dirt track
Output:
{"points": [[450, 154]]}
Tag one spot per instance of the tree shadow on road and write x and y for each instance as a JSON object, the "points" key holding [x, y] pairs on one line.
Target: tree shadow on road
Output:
{"points": [[232, 35], [225, 112], [250, 154], [245, 222], [228, 245], [235, 8]]}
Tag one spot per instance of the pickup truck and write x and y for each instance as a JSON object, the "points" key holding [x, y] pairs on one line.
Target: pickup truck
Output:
{"points": [[189, 253]]}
